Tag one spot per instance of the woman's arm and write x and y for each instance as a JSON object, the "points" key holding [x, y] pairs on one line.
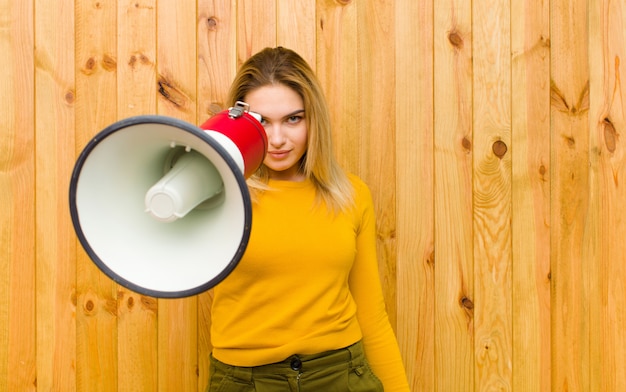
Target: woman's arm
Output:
{"points": [[381, 347]]}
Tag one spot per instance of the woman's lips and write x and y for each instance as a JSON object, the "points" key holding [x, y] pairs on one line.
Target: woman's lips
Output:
{"points": [[278, 154]]}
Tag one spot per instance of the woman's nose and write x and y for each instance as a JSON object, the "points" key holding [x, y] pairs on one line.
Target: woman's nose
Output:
{"points": [[275, 135]]}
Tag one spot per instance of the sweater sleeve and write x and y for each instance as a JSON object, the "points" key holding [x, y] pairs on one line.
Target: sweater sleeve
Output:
{"points": [[381, 347]]}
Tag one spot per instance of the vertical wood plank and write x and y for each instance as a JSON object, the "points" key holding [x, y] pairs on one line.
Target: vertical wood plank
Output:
{"points": [[176, 68], [176, 59], [177, 87], [137, 326], [492, 195], [256, 27], [177, 345], [217, 55], [216, 64], [569, 194], [17, 193], [415, 190], [454, 285], [295, 27], [56, 263], [96, 108], [336, 66], [607, 50], [530, 40], [376, 124], [137, 85]]}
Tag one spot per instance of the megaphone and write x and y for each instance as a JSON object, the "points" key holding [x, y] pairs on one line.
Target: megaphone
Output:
{"points": [[162, 206]]}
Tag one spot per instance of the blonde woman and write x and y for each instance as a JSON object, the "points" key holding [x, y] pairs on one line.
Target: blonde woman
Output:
{"points": [[303, 310]]}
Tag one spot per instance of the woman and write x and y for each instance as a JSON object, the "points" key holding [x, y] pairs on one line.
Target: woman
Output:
{"points": [[303, 310]]}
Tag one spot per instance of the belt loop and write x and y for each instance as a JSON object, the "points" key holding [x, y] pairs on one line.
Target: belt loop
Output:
{"points": [[243, 373], [354, 354]]}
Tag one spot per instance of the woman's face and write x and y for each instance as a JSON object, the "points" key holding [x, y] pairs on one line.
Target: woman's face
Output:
{"points": [[282, 112]]}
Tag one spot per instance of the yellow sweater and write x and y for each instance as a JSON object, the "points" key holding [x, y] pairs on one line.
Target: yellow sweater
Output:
{"points": [[308, 283]]}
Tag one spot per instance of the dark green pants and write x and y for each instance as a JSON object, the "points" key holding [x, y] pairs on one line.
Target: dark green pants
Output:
{"points": [[340, 370]]}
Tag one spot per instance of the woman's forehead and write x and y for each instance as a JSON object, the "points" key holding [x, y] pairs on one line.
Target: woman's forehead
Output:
{"points": [[274, 101]]}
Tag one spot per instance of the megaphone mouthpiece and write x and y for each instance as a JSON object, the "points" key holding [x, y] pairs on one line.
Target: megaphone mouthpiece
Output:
{"points": [[191, 181]]}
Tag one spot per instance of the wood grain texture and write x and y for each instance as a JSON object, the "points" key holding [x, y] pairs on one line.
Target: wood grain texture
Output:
{"points": [[217, 55], [336, 65], [607, 121], [56, 264], [530, 219], [137, 344], [415, 192], [454, 264], [256, 27], [569, 195], [96, 294], [376, 125], [492, 195], [216, 64], [296, 26], [18, 345], [176, 80]]}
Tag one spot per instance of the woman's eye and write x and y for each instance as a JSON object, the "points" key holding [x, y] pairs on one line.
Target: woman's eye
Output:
{"points": [[294, 119]]}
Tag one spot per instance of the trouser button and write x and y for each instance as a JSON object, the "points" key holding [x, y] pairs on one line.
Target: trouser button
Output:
{"points": [[296, 363]]}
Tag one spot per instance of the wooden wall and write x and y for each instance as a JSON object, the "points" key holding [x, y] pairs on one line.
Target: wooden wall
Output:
{"points": [[489, 132]]}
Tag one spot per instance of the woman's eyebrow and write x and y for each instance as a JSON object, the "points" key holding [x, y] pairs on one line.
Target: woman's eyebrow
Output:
{"points": [[294, 113]]}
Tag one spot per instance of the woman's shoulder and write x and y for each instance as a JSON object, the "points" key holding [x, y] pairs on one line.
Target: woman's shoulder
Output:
{"points": [[356, 181], [361, 189]]}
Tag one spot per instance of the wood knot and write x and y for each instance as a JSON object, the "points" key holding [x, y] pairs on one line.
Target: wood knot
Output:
{"points": [[468, 306], [109, 63], [144, 59], [467, 144], [610, 135], [138, 58], [90, 65], [171, 92], [456, 39], [542, 173], [499, 148], [70, 97], [89, 304], [430, 260], [559, 102], [467, 303], [149, 303], [89, 307], [211, 23], [215, 108]]}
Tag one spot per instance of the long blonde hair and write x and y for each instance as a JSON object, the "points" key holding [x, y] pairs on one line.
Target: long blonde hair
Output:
{"points": [[284, 66]]}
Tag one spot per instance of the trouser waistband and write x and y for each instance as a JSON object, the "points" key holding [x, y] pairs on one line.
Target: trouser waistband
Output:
{"points": [[296, 364]]}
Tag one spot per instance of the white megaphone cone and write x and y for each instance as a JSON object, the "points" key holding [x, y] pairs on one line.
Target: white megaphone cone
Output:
{"points": [[161, 206]]}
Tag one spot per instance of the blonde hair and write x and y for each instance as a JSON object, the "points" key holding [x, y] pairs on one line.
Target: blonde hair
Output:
{"points": [[279, 65]]}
